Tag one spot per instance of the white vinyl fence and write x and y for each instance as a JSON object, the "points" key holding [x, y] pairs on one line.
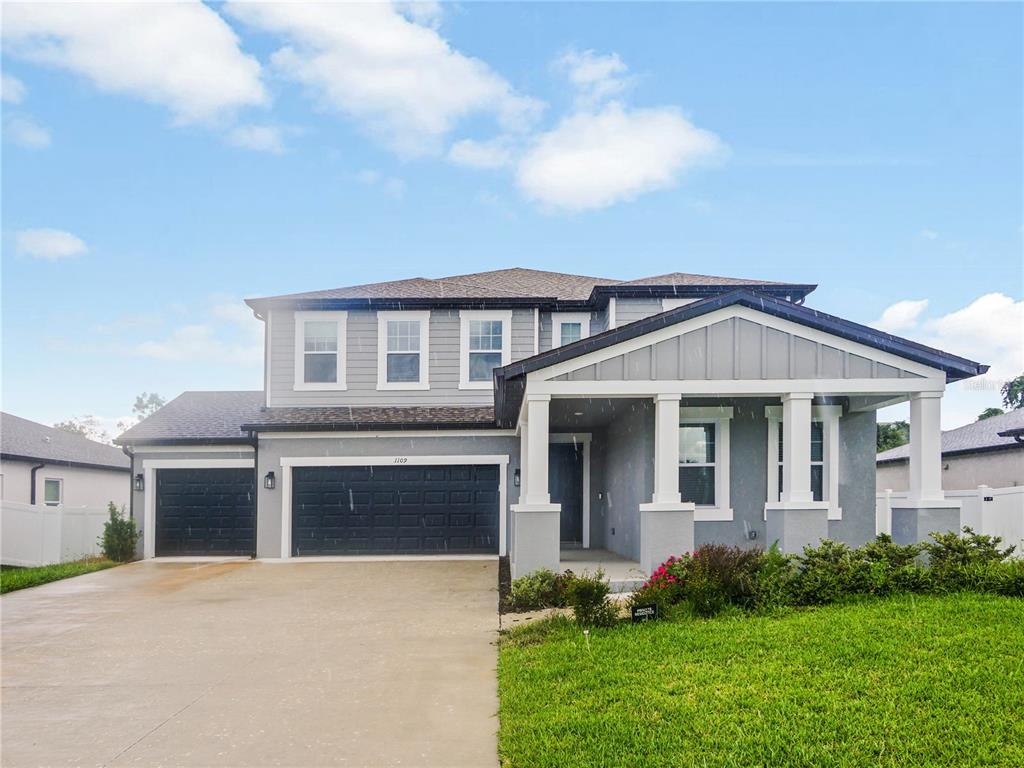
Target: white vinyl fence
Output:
{"points": [[992, 511], [40, 535]]}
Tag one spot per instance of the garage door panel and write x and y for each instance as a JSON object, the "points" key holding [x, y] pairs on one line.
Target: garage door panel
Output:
{"points": [[205, 511], [405, 509]]}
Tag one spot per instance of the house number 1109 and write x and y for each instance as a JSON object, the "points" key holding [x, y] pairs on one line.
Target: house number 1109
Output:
{"points": [[401, 460]]}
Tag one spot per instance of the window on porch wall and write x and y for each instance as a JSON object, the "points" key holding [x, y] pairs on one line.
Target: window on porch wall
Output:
{"points": [[817, 461], [697, 463]]}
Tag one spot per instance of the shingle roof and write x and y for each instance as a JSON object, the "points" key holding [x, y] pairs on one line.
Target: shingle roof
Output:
{"points": [[353, 418], [227, 416], [980, 436], [517, 283], [31, 440]]}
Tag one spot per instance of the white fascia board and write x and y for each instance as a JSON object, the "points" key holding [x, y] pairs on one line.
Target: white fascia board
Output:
{"points": [[395, 434], [725, 313], [142, 450], [738, 387]]}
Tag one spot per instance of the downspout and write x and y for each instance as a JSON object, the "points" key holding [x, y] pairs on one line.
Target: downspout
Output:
{"points": [[32, 480], [131, 481], [256, 489]]}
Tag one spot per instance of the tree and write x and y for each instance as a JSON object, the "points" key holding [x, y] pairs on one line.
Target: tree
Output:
{"points": [[988, 413], [145, 406], [86, 426], [1013, 393], [892, 435]]}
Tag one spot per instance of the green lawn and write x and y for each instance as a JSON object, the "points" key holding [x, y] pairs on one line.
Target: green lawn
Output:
{"points": [[12, 578], [908, 681]]}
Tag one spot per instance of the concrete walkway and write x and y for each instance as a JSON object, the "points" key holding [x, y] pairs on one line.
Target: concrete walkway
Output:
{"points": [[254, 664]]}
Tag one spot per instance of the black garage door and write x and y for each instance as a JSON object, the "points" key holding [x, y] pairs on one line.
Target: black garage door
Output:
{"points": [[205, 511], [385, 509]]}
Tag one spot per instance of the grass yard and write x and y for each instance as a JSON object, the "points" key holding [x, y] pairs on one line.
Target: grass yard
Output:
{"points": [[907, 681], [13, 577]]}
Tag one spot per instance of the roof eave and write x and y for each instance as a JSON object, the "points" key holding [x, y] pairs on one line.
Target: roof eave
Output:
{"points": [[65, 462]]}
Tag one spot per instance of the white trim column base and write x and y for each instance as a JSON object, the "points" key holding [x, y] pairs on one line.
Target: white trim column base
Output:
{"points": [[914, 520], [796, 524], [666, 528], [536, 538]]}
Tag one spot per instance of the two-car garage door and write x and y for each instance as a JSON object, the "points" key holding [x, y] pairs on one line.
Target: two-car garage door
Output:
{"points": [[395, 509]]}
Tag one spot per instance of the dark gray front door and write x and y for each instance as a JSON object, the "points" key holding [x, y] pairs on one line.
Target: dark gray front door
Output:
{"points": [[565, 481], [395, 509]]}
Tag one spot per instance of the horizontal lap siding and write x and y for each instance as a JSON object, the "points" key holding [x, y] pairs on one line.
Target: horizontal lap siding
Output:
{"points": [[361, 363]]}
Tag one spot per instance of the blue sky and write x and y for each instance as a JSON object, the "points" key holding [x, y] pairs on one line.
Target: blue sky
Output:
{"points": [[874, 149]]}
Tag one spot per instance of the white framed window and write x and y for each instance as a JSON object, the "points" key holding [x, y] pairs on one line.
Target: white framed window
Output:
{"points": [[53, 491], [403, 350], [667, 304], [320, 350], [704, 458], [567, 327], [485, 343], [824, 455]]}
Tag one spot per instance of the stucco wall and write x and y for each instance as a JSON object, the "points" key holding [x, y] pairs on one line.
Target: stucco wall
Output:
{"points": [[83, 487], [996, 469]]}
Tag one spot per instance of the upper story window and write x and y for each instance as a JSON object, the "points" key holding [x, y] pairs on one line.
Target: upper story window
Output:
{"points": [[53, 491], [485, 344], [403, 346], [704, 460], [824, 455], [567, 327], [320, 350]]}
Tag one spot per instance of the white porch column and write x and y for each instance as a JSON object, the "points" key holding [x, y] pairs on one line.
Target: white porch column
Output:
{"points": [[535, 439], [926, 446], [796, 520], [666, 523], [535, 532], [666, 449], [796, 447]]}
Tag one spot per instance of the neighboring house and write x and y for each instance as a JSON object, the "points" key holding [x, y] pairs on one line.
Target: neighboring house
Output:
{"points": [[524, 412], [982, 453], [51, 467]]}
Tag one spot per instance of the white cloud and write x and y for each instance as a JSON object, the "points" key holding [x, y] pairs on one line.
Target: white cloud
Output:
{"points": [[399, 79], [26, 132], [261, 138], [596, 77], [196, 343], [900, 316], [929, 234], [12, 90], [180, 55], [595, 159], [48, 244], [496, 153], [392, 186]]}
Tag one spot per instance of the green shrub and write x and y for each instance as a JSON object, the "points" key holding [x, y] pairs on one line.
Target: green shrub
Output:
{"points": [[882, 549], [119, 536], [773, 584], [541, 589], [826, 573], [588, 596], [719, 575], [1011, 578], [950, 549]]}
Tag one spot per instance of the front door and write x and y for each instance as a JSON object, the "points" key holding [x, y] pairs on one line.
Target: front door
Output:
{"points": [[565, 483]]}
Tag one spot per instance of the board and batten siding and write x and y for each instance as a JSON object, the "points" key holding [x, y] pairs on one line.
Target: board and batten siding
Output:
{"points": [[361, 363], [735, 349]]}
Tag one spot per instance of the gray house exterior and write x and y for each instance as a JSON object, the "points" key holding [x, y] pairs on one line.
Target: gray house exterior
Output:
{"points": [[526, 413]]}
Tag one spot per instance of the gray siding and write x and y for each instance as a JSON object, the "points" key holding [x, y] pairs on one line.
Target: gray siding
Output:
{"points": [[361, 360], [598, 323], [735, 349], [630, 310]]}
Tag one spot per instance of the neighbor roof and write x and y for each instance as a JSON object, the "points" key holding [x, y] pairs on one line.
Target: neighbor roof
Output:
{"points": [[226, 417], [517, 284], [979, 437], [31, 441]]}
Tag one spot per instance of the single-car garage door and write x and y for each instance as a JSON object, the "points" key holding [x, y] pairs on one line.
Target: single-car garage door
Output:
{"points": [[205, 511], [386, 509]]}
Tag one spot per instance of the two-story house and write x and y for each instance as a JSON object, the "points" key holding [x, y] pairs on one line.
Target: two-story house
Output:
{"points": [[524, 412]]}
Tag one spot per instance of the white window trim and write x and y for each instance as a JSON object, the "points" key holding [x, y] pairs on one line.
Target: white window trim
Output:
{"points": [[287, 462], [828, 415], [721, 416], [60, 494], [559, 318], [301, 318], [667, 304], [465, 316], [423, 318]]}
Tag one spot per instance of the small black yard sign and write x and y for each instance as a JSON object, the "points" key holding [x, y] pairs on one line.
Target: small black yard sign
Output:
{"points": [[639, 613]]}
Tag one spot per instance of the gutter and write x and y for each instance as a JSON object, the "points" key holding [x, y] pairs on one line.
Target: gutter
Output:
{"points": [[32, 480]]}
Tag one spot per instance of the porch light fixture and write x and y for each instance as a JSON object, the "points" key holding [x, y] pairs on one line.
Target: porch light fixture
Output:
{"points": [[515, 478], [269, 481], [139, 483]]}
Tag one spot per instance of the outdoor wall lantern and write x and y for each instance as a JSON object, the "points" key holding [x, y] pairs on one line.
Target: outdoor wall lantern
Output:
{"points": [[139, 482], [269, 481], [515, 478]]}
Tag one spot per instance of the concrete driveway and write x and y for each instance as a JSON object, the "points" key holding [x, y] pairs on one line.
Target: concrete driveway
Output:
{"points": [[254, 664]]}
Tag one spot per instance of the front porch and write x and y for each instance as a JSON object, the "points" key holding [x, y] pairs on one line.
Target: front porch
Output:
{"points": [[623, 574]]}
